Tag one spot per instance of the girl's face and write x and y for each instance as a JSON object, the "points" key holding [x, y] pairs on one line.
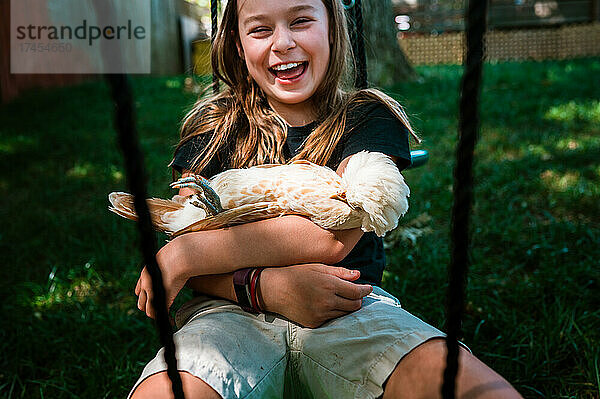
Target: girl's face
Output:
{"points": [[285, 45]]}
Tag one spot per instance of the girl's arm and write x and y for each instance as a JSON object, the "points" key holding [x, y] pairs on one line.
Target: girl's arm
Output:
{"points": [[308, 294], [298, 241], [281, 241]]}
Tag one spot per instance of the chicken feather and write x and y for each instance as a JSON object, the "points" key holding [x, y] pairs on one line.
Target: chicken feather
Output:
{"points": [[371, 194]]}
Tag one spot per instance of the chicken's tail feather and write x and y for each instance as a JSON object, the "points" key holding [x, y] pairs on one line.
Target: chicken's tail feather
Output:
{"points": [[122, 205]]}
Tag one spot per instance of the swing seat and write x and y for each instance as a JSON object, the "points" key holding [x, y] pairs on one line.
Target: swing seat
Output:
{"points": [[418, 158]]}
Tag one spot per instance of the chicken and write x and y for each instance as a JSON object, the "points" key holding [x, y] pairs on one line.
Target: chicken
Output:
{"points": [[371, 194]]}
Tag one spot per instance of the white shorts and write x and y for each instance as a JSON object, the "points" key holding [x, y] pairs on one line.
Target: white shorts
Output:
{"points": [[243, 355]]}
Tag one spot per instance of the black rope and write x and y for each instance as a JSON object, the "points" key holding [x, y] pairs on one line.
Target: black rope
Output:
{"points": [[361, 56], [352, 33], [357, 38], [463, 186], [214, 12], [136, 180]]}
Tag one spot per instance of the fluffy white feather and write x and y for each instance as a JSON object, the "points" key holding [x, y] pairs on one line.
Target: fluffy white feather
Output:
{"points": [[181, 218], [374, 184]]}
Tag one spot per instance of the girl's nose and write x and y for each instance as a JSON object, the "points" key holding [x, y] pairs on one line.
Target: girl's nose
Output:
{"points": [[283, 40]]}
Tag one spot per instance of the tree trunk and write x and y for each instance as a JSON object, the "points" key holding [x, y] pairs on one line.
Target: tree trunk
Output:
{"points": [[387, 63]]}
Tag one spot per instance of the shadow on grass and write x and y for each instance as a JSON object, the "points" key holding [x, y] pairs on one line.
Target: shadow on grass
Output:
{"points": [[70, 327], [532, 311]]}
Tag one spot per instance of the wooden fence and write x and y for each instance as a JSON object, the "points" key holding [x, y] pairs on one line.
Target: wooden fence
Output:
{"points": [[570, 41], [443, 16]]}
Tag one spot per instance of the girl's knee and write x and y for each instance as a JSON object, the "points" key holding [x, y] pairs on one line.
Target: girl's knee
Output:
{"points": [[420, 375], [158, 386]]}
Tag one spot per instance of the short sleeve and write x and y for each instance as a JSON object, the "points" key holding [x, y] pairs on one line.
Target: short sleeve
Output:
{"points": [[375, 128], [186, 155]]}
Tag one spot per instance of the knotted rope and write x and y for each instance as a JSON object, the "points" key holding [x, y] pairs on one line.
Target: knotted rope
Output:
{"points": [[354, 8], [463, 186], [136, 180], [214, 13]]}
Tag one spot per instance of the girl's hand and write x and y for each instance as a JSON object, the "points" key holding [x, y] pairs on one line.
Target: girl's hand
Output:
{"points": [[311, 294], [174, 266]]}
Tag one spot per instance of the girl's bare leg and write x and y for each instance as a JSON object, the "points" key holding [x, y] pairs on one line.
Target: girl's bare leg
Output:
{"points": [[158, 386], [420, 375]]}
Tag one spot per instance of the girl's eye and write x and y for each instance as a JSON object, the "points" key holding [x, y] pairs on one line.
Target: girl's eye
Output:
{"points": [[259, 30], [301, 21]]}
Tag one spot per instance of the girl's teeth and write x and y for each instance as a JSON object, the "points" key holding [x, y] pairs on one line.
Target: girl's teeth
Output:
{"points": [[283, 67]]}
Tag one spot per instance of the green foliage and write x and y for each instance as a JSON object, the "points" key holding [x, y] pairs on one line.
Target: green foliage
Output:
{"points": [[70, 327]]}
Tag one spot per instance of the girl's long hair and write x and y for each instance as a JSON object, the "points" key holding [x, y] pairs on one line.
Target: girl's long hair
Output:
{"points": [[240, 121]]}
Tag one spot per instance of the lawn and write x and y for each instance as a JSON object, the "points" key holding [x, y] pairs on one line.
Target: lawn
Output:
{"points": [[70, 327]]}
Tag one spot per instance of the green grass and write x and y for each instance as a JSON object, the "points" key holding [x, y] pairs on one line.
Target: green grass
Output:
{"points": [[70, 327]]}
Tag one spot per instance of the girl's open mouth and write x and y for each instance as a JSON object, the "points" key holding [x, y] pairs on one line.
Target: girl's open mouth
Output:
{"points": [[289, 72]]}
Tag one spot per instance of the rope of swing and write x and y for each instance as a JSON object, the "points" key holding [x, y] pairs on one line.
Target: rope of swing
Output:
{"points": [[463, 186], [354, 9], [214, 15], [136, 181]]}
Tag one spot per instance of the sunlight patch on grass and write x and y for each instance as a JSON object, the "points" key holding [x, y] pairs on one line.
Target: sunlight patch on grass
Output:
{"points": [[173, 83], [116, 174], [510, 155], [503, 154], [569, 181], [80, 170], [567, 144], [585, 142], [575, 111], [69, 290], [87, 170], [540, 151]]}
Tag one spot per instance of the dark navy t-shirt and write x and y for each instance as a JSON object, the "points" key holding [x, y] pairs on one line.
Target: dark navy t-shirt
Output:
{"points": [[370, 127]]}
